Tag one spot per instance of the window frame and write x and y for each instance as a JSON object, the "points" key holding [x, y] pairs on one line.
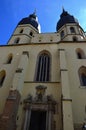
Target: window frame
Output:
{"points": [[72, 30], [2, 77], [82, 71], [46, 70]]}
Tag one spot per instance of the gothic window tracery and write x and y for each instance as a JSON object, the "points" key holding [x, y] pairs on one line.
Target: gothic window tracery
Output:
{"points": [[43, 67]]}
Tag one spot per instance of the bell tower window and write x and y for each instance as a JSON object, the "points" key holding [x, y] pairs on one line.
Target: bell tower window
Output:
{"points": [[62, 34], [75, 39], [17, 40], [31, 33], [21, 31], [72, 29]]}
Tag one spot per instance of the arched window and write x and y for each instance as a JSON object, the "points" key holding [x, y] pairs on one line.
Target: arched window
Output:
{"points": [[62, 34], [17, 40], [75, 39], [21, 31], [72, 29], [80, 53], [31, 33], [9, 59], [43, 67], [82, 76], [2, 77]]}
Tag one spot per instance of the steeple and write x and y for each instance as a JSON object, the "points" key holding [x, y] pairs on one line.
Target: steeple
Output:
{"points": [[63, 9], [72, 31], [65, 18]]}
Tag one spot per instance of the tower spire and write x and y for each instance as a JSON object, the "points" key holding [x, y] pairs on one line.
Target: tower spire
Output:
{"points": [[63, 9]]}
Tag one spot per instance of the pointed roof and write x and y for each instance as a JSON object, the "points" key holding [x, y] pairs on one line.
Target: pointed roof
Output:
{"points": [[31, 19], [65, 18]]}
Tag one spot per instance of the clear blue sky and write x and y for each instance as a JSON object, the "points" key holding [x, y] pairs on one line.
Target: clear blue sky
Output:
{"points": [[48, 12]]}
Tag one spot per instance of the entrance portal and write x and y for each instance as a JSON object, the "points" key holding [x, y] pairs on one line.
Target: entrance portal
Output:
{"points": [[38, 120]]}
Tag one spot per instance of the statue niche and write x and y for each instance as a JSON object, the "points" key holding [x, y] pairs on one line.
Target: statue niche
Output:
{"points": [[40, 92]]}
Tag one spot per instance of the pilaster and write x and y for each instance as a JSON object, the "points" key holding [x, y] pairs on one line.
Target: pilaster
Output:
{"points": [[19, 76], [66, 99]]}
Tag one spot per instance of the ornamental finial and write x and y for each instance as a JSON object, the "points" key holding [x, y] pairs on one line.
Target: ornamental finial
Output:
{"points": [[63, 9]]}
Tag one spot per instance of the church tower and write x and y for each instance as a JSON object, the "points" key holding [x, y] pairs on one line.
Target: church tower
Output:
{"points": [[69, 28], [25, 30], [43, 77]]}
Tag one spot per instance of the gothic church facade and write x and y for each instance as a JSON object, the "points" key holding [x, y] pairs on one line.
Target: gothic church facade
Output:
{"points": [[43, 77]]}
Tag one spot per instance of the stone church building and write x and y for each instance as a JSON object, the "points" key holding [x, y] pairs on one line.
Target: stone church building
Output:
{"points": [[43, 76]]}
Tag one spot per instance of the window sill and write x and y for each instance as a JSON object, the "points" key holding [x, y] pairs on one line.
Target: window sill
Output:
{"points": [[82, 87]]}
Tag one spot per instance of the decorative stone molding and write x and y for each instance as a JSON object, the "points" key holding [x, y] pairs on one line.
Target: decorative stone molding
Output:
{"points": [[25, 53], [19, 70], [40, 103]]}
